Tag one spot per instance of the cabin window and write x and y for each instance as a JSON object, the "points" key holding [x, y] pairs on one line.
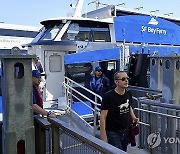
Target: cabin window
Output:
{"points": [[83, 36], [55, 63], [39, 35], [111, 65], [18, 33], [100, 35], [79, 32], [51, 33]]}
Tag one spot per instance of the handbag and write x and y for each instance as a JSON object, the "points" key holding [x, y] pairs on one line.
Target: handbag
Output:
{"points": [[133, 131]]}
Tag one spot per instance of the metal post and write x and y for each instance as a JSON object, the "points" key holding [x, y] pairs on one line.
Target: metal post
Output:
{"points": [[55, 140], [18, 126], [171, 85]]}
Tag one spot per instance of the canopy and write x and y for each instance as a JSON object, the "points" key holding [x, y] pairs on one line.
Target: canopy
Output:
{"points": [[91, 56]]}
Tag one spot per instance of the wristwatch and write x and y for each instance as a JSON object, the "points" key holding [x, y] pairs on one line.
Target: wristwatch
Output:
{"points": [[49, 113]]}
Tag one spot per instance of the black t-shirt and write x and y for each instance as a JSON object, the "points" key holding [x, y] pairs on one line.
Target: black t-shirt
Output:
{"points": [[118, 107]]}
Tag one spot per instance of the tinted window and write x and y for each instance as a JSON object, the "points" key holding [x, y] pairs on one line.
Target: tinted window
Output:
{"points": [[17, 33]]}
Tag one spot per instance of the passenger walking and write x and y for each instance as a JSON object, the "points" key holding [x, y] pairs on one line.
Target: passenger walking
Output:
{"points": [[99, 84], [116, 112], [37, 99]]}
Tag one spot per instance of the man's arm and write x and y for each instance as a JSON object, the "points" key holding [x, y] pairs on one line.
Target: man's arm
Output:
{"points": [[133, 116], [43, 112], [103, 125]]}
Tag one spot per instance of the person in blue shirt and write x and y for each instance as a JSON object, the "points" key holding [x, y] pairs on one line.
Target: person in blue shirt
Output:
{"points": [[99, 84]]}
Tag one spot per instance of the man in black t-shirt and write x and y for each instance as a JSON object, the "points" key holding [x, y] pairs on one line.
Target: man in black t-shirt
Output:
{"points": [[116, 111]]}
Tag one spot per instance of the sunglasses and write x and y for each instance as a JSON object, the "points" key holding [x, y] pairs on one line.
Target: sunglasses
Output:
{"points": [[123, 78], [99, 70]]}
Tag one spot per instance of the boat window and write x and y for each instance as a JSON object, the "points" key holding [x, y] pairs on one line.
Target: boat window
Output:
{"points": [[72, 32], [83, 36], [80, 73], [55, 63], [78, 32], [39, 35], [111, 65], [17, 33], [51, 33], [101, 36]]}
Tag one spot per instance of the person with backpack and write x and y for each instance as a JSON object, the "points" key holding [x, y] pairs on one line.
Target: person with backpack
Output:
{"points": [[99, 84]]}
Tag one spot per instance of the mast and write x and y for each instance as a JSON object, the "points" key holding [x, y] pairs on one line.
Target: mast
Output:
{"points": [[78, 8]]}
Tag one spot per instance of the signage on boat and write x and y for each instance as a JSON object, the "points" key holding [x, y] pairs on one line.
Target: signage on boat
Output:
{"points": [[146, 29], [153, 30]]}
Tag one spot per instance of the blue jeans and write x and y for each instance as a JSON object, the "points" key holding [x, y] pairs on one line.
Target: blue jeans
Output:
{"points": [[118, 139]]}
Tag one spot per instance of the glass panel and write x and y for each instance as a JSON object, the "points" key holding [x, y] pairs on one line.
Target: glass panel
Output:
{"points": [[55, 63], [83, 36], [18, 33], [51, 33], [39, 35], [87, 32], [72, 31], [100, 36]]}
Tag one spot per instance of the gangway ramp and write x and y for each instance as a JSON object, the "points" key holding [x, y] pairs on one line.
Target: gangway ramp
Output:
{"points": [[75, 121]]}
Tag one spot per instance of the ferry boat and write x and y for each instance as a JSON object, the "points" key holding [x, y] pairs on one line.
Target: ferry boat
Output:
{"points": [[13, 36], [71, 47], [108, 42]]}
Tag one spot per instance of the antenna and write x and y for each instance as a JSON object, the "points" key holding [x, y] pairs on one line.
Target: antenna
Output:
{"points": [[154, 11], [138, 8], [120, 4], [168, 14], [96, 2]]}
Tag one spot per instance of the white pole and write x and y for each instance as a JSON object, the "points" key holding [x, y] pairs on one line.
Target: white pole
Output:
{"points": [[78, 9]]}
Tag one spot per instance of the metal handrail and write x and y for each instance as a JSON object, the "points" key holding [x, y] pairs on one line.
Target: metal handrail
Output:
{"points": [[93, 93], [167, 116], [69, 91], [84, 138]]}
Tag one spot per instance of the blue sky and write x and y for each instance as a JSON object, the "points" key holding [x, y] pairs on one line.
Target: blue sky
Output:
{"points": [[31, 12]]}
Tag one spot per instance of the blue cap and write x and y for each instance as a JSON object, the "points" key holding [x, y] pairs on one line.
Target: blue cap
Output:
{"points": [[98, 68], [36, 73]]}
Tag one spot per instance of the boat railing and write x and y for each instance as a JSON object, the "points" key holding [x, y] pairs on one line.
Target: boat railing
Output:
{"points": [[56, 136], [159, 126], [73, 94], [66, 139]]}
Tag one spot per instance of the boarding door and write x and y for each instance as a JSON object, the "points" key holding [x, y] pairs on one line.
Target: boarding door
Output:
{"points": [[54, 68]]}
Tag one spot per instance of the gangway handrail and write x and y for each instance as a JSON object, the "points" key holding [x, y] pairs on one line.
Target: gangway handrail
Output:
{"points": [[82, 94], [84, 88], [144, 100], [69, 93], [158, 117], [162, 114], [85, 138]]}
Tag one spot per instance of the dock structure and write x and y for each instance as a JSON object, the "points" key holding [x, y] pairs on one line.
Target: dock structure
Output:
{"points": [[18, 126]]}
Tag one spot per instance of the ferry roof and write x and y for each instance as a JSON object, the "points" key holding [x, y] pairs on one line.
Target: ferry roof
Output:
{"points": [[112, 10], [19, 27], [82, 19], [141, 12]]}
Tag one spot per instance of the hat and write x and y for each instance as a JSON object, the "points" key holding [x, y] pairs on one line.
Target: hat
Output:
{"points": [[36, 73], [98, 68]]}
